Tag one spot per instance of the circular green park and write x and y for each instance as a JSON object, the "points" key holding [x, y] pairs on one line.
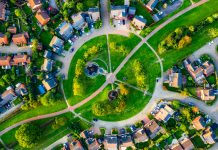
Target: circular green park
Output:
{"points": [[136, 76]]}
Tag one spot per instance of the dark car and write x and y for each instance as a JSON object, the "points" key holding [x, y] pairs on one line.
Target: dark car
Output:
{"points": [[72, 49], [124, 22]]}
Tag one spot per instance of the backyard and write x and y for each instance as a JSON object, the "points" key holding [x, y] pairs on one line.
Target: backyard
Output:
{"points": [[90, 84]]}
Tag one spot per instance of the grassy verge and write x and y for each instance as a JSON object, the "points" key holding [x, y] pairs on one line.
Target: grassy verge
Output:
{"points": [[128, 42], [22, 115], [91, 84], [49, 135]]}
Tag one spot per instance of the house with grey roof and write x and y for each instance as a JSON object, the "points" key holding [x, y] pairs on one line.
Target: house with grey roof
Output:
{"points": [[48, 54], [78, 21], [152, 4], [57, 44], [21, 89], [65, 30], [118, 12], [111, 142], [47, 65], [49, 83], [132, 11], [94, 13], [7, 96]]}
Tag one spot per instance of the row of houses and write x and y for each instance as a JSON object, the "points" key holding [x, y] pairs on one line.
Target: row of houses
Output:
{"points": [[10, 95], [124, 13], [198, 71], [18, 39], [6, 62]]}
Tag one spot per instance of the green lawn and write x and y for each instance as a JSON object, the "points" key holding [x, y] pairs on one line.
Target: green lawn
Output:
{"points": [[117, 2], [128, 42], [150, 67], [49, 135], [135, 102], [142, 11], [22, 115], [198, 39], [45, 37], [91, 85]]}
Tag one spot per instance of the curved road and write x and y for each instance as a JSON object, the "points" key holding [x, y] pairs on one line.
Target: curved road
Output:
{"points": [[106, 30]]}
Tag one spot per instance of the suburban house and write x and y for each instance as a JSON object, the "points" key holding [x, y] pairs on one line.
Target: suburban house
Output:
{"points": [[47, 65], [140, 136], [175, 146], [42, 17], [118, 12], [7, 61], [65, 30], [111, 142], [20, 39], [152, 4], [164, 114], [139, 22], [48, 54], [3, 39], [76, 145], [78, 21], [94, 14], [126, 141], [187, 144], [35, 4], [199, 123], [2, 11], [209, 136], [49, 83], [206, 94], [174, 79], [132, 11], [7, 96], [152, 129], [208, 68], [199, 73], [86, 134], [21, 89], [12, 30], [92, 144], [57, 45]]}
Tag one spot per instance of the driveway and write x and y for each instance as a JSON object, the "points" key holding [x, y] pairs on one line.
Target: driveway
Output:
{"points": [[12, 48]]}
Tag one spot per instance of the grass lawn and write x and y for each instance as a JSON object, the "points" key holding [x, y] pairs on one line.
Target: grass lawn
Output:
{"points": [[132, 106], [117, 2], [49, 135], [198, 39], [150, 67], [22, 115], [198, 143], [17, 101], [91, 85], [128, 42], [141, 10], [45, 37], [67, 46]]}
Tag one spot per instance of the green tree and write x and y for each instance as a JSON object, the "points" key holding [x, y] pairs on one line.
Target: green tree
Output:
{"points": [[18, 12], [27, 135], [185, 112], [123, 89], [35, 44], [48, 99], [176, 104], [79, 67], [7, 78], [213, 32], [79, 6]]}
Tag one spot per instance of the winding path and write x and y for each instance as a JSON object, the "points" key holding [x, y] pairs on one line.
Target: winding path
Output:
{"points": [[158, 93]]}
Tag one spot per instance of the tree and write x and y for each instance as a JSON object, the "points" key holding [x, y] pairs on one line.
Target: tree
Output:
{"points": [[48, 99], [78, 89], [195, 109], [79, 67], [7, 78], [191, 29], [183, 128], [35, 44], [2, 82], [86, 29], [123, 89], [113, 46], [58, 122], [210, 19], [184, 42], [185, 112], [18, 12], [27, 135], [79, 6], [213, 32], [176, 104]]}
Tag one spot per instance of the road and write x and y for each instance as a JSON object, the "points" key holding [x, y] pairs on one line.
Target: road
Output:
{"points": [[158, 93], [12, 49]]}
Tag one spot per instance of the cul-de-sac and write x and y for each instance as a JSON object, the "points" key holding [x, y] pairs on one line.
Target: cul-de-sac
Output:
{"points": [[108, 74]]}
